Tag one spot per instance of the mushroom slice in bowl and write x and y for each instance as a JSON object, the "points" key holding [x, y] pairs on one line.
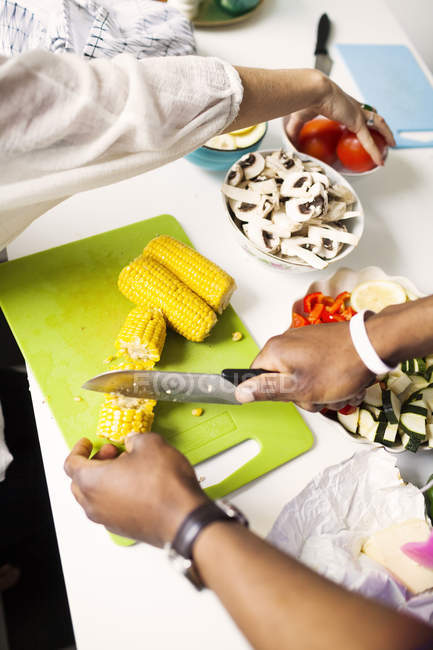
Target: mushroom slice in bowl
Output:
{"points": [[235, 175], [252, 164], [336, 211], [316, 235], [255, 233], [291, 248], [296, 185], [342, 193], [248, 211]]}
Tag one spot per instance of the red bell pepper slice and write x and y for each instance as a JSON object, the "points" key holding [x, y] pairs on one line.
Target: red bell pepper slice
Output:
{"points": [[311, 299], [339, 305], [327, 317], [298, 320], [348, 313], [316, 312], [347, 410]]}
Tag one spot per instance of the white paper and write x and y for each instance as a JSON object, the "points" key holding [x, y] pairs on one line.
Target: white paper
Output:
{"points": [[326, 525]]}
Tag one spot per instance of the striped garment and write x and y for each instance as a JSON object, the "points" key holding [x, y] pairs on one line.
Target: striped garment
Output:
{"points": [[142, 28]]}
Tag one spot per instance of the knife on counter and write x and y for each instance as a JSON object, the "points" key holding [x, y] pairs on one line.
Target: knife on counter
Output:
{"points": [[323, 60], [174, 386]]}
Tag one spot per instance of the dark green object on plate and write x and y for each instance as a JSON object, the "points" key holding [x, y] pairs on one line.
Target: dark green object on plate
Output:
{"points": [[212, 14]]}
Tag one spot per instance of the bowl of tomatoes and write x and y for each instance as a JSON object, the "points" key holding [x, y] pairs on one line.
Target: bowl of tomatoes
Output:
{"points": [[333, 144]]}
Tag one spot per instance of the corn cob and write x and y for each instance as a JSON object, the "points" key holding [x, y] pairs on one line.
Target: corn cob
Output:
{"points": [[119, 416], [148, 283], [142, 335], [201, 275], [126, 363]]}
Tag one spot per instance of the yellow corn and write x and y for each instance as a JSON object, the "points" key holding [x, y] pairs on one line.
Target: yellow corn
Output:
{"points": [[148, 283], [126, 363], [143, 334], [201, 275], [120, 416]]}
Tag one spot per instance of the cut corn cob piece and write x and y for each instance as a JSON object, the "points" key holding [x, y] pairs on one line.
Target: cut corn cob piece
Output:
{"points": [[142, 335], [201, 275], [119, 416], [148, 283], [126, 363]]}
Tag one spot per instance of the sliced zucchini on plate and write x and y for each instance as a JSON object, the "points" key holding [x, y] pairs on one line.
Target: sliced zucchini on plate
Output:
{"points": [[391, 406], [373, 395], [350, 421]]}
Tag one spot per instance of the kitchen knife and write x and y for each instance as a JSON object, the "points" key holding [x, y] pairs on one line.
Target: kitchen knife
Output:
{"points": [[173, 386], [323, 60]]}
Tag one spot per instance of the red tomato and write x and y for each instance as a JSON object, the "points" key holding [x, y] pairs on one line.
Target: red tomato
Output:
{"points": [[347, 410], [318, 148], [318, 138], [353, 155], [328, 130]]}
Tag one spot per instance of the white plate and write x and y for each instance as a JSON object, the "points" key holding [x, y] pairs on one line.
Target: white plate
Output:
{"points": [[354, 225], [346, 280]]}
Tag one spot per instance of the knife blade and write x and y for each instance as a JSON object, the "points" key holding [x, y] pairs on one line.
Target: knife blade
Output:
{"points": [[173, 386], [323, 60]]}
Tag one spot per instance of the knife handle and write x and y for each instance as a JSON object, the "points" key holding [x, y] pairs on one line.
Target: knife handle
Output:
{"points": [[322, 35], [237, 375]]}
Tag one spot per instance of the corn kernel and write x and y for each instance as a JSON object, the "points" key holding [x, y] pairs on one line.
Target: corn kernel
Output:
{"points": [[237, 336], [197, 412]]}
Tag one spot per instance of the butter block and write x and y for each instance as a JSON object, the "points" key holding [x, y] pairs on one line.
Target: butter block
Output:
{"points": [[384, 547]]}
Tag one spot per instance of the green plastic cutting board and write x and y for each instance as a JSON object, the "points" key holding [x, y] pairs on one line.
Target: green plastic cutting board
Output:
{"points": [[65, 311]]}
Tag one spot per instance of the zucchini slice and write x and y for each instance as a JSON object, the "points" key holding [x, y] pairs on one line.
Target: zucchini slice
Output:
{"points": [[398, 383], [391, 406], [370, 428], [410, 443], [350, 421], [427, 396], [390, 433], [373, 395], [413, 422], [418, 382]]}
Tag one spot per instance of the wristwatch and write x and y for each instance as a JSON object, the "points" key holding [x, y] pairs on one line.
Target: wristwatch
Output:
{"points": [[180, 550]]}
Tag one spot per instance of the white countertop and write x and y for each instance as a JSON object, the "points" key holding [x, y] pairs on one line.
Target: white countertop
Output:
{"points": [[129, 597]]}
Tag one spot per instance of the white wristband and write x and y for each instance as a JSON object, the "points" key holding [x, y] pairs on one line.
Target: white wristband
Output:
{"points": [[363, 346]]}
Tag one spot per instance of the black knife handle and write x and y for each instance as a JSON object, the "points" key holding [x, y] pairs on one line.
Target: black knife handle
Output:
{"points": [[322, 35], [237, 375]]}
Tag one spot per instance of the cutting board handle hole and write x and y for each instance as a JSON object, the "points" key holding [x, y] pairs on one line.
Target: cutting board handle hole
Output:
{"points": [[216, 469]]}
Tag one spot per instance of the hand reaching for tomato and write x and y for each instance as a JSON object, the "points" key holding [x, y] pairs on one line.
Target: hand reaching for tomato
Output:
{"points": [[347, 112], [329, 140]]}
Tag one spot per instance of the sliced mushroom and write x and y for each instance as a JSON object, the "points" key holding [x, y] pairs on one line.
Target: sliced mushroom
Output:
{"points": [[267, 186], [343, 193], [252, 164], [285, 223], [316, 234], [296, 184], [312, 166], [291, 248], [241, 194], [319, 177], [283, 164], [245, 211], [255, 233], [235, 175], [336, 210]]}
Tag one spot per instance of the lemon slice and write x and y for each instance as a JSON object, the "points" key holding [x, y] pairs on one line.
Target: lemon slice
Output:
{"points": [[376, 295], [248, 129]]}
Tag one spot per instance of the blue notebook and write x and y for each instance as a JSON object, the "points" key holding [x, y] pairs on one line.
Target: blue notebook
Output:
{"points": [[390, 79]]}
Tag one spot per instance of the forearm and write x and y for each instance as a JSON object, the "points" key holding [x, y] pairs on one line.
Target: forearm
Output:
{"points": [[272, 93], [279, 603], [403, 331]]}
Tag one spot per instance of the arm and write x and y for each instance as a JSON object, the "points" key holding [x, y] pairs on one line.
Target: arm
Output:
{"points": [[319, 366], [147, 492], [68, 125]]}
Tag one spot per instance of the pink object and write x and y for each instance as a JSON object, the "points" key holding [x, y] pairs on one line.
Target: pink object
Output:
{"points": [[421, 552]]}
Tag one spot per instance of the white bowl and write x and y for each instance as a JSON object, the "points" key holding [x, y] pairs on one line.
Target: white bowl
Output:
{"points": [[354, 225], [346, 280], [337, 166]]}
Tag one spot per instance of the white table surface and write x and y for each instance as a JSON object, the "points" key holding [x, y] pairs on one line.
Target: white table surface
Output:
{"points": [[129, 597]]}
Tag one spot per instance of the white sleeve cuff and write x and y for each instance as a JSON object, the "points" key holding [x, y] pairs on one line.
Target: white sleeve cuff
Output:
{"points": [[363, 346]]}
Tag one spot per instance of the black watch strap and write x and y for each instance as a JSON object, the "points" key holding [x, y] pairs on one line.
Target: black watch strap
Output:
{"points": [[193, 525]]}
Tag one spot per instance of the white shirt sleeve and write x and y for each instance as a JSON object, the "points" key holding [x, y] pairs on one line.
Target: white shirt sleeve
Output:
{"points": [[68, 125]]}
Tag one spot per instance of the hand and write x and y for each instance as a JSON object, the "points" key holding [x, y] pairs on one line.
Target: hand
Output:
{"points": [[338, 105], [318, 367], [144, 493]]}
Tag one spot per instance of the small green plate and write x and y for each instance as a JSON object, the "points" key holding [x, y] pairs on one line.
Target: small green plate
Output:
{"points": [[211, 15]]}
